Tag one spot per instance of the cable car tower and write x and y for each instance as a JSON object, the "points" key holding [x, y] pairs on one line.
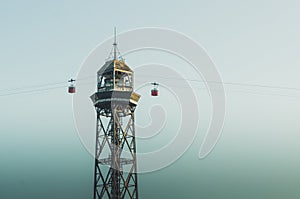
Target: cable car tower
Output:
{"points": [[115, 149]]}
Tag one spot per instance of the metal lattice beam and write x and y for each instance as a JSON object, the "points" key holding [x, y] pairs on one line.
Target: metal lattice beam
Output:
{"points": [[111, 181]]}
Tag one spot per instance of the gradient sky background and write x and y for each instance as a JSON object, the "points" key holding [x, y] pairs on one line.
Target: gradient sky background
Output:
{"points": [[251, 42]]}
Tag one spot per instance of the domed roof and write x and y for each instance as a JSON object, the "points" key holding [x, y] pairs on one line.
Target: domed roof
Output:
{"points": [[113, 65]]}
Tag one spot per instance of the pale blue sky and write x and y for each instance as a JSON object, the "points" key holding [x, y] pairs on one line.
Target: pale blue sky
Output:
{"points": [[251, 42]]}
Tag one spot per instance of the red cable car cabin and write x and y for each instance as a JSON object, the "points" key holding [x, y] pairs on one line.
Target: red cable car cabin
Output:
{"points": [[71, 89], [154, 92]]}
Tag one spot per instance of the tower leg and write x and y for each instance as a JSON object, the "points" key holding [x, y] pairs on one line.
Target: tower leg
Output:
{"points": [[118, 137]]}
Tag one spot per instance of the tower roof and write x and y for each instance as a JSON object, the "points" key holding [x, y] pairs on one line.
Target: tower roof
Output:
{"points": [[114, 65]]}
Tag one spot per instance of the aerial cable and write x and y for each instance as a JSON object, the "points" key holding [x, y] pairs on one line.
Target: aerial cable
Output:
{"points": [[41, 87]]}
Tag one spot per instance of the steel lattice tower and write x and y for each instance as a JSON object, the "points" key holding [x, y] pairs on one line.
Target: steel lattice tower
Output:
{"points": [[115, 155]]}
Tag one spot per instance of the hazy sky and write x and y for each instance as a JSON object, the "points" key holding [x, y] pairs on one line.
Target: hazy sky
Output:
{"points": [[253, 42]]}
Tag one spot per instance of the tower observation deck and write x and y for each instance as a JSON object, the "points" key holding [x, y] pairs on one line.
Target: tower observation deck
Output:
{"points": [[115, 101]]}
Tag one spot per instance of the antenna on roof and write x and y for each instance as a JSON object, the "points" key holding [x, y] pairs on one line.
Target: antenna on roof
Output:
{"points": [[115, 44]]}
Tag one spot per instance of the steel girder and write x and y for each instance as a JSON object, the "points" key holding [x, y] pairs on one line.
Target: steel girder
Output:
{"points": [[115, 155]]}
